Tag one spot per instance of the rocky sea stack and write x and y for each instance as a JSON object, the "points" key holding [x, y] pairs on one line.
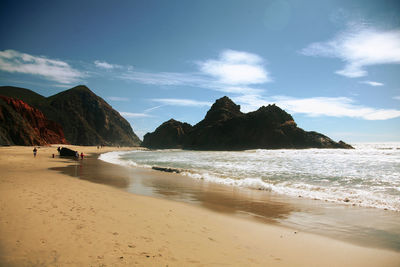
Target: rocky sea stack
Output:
{"points": [[225, 127], [83, 117]]}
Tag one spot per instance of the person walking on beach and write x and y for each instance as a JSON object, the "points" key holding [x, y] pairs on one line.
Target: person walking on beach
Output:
{"points": [[82, 155], [34, 152]]}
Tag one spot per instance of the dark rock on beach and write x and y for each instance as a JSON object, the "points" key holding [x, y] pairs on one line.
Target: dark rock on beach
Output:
{"points": [[66, 152], [85, 117], [163, 169], [225, 127]]}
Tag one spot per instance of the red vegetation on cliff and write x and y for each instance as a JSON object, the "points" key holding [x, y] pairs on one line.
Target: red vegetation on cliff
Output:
{"points": [[26, 125]]}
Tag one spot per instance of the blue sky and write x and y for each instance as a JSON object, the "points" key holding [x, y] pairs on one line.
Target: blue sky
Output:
{"points": [[334, 65]]}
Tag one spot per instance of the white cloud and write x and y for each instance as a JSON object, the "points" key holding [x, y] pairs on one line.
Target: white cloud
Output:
{"points": [[336, 107], [236, 68], [359, 46], [50, 69], [186, 79], [397, 97], [251, 102], [181, 102], [319, 106], [118, 99], [105, 65], [134, 115], [372, 83], [233, 72]]}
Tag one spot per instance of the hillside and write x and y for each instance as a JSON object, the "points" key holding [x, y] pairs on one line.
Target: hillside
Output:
{"points": [[21, 124], [86, 119]]}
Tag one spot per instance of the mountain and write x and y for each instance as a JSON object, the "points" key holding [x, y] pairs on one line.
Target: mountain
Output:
{"points": [[225, 127], [85, 117], [21, 124], [88, 120]]}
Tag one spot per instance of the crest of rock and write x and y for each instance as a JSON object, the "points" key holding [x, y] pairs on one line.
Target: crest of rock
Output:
{"points": [[170, 134], [223, 109]]}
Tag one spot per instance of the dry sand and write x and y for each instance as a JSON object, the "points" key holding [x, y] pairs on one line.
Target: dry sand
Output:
{"points": [[51, 219]]}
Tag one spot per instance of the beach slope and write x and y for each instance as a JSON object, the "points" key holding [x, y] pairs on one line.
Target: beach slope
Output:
{"points": [[51, 219]]}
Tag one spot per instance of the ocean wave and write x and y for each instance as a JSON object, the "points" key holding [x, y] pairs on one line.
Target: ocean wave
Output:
{"points": [[115, 158], [353, 197], [368, 176]]}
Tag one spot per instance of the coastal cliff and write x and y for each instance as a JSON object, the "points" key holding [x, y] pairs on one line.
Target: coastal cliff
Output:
{"points": [[225, 127], [21, 124], [85, 118]]}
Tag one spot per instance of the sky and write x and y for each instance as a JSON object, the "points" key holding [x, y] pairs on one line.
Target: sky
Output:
{"points": [[333, 65]]}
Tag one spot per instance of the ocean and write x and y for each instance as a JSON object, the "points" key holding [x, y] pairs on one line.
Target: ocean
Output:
{"points": [[349, 195], [367, 176]]}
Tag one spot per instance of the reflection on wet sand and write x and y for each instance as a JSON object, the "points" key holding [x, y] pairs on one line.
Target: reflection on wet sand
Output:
{"points": [[89, 169], [368, 227], [216, 197], [180, 188]]}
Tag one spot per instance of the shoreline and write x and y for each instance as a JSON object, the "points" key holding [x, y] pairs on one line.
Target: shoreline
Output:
{"points": [[49, 218], [363, 226]]}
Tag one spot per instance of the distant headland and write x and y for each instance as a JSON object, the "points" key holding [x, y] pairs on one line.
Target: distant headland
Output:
{"points": [[225, 127]]}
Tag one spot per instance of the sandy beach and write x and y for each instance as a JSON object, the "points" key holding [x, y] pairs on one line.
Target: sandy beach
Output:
{"points": [[51, 219]]}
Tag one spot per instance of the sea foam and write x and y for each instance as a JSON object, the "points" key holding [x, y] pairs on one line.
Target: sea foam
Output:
{"points": [[367, 176]]}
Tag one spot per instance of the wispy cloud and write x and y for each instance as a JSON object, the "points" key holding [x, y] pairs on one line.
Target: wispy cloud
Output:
{"points": [[359, 46], [319, 106], [41, 84], [336, 107], [118, 99], [134, 115], [181, 102], [236, 68], [144, 114], [164, 78], [233, 72], [153, 108], [397, 97], [50, 69], [105, 65], [372, 83]]}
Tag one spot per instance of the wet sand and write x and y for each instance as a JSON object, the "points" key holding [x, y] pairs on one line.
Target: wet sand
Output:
{"points": [[362, 226], [52, 219]]}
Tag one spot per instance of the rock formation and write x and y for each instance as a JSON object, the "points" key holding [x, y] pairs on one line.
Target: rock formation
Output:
{"points": [[85, 117], [225, 127], [66, 152], [170, 134], [21, 124]]}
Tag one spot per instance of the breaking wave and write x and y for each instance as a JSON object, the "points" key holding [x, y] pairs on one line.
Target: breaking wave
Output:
{"points": [[367, 176]]}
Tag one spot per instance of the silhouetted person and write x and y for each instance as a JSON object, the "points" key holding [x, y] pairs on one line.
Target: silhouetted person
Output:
{"points": [[34, 152]]}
